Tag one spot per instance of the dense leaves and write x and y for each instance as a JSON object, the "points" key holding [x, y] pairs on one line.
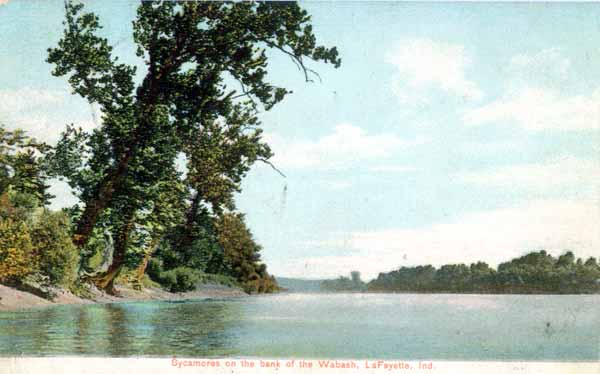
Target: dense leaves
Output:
{"points": [[58, 256], [536, 272], [22, 167], [242, 254], [16, 251], [35, 244], [205, 82]]}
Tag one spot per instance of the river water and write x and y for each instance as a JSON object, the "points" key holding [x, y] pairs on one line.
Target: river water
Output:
{"points": [[386, 326]]}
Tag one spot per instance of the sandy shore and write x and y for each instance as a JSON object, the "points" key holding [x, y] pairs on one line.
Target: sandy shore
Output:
{"points": [[12, 299]]}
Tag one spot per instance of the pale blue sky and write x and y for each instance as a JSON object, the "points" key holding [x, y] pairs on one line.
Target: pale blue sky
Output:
{"points": [[452, 132]]}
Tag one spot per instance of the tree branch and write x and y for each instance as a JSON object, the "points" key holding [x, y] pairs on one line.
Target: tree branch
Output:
{"points": [[271, 165]]}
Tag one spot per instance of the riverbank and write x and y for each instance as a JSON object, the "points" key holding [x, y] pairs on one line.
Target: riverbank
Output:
{"points": [[12, 299]]}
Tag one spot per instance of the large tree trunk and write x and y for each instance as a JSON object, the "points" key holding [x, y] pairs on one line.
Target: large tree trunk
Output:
{"points": [[141, 270], [93, 209], [191, 214], [112, 182], [147, 96], [105, 280]]}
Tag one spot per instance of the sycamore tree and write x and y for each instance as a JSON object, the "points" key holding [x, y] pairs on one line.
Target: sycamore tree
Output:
{"points": [[205, 75]]}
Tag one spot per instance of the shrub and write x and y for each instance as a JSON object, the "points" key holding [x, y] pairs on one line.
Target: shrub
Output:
{"points": [[147, 282], [267, 284], [58, 256], [17, 206], [16, 251], [154, 269], [180, 279], [222, 279]]}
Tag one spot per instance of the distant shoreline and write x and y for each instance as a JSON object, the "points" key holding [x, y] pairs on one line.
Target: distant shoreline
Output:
{"points": [[12, 300], [466, 293]]}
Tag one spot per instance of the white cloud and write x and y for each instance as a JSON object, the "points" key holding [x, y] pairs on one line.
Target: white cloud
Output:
{"points": [[547, 63], [535, 97], [423, 64], [544, 178], [538, 109], [347, 146], [494, 237], [25, 99], [42, 113]]}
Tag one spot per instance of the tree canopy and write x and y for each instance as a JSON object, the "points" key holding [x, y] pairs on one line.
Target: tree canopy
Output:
{"points": [[535, 272], [205, 82]]}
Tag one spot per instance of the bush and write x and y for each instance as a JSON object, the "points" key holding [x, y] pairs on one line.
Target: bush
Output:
{"points": [[58, 256], [154, 269], [180, 279], [222, 279], [16, 251], [267, 284]]}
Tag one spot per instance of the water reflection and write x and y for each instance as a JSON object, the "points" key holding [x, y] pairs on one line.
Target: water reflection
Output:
{"points": [[202, 329], [149, 329], [456, 327]]}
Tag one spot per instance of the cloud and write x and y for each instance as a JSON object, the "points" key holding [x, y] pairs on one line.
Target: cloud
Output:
{"points": [[42, 113], [538, 109], [27, 108], [423, 64], [548, 63], [493, 236], [535, 97], [2, 2], [25, 99], [347, 146], [543, 178]]}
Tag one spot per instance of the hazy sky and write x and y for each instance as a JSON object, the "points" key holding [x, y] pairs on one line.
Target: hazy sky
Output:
{"points": [[451, 132]]}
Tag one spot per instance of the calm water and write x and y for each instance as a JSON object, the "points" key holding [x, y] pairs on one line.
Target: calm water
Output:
{"points": [[452, 327]]}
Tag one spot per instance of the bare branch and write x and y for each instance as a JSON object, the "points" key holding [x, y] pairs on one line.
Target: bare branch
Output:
{"points": [[297, 60], [272, 166]]}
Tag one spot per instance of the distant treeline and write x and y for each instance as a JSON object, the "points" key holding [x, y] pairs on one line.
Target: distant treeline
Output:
{"points": [[345, 284], [536, 272]]}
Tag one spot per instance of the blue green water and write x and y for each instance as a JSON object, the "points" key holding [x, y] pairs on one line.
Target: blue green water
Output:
{"points": [[387, 326]]}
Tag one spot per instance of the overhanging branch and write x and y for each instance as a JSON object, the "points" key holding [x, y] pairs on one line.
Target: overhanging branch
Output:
{"points": [[272, 166]]}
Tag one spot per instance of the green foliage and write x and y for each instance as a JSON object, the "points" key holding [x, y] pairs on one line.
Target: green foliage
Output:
{"points": [[167, 278], [241, 254], [180, 279], [222, 279], [22, 165], [154, 269], [147, 282], [18, 206], [265, 284], [17, 259], [224, 253], [193, 244], [344, 284], [36, 250], [535, 272], [205, 83], [58, 256]]}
